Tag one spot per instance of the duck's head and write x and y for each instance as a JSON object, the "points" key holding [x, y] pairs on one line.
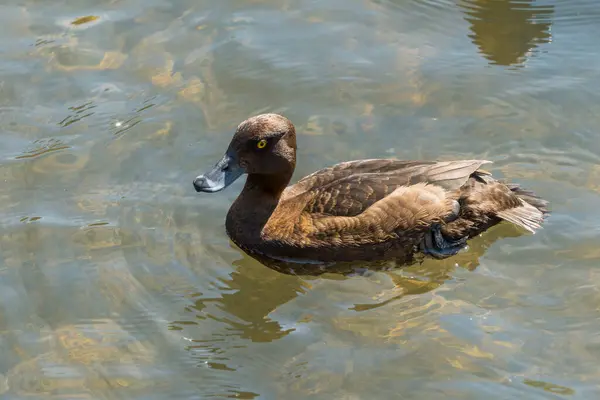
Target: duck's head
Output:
{"points": [[262, 145]]}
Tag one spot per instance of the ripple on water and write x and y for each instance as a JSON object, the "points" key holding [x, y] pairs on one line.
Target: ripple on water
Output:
{"points": [[85, 20], [82, 22], [577, 15], [78, 113], [120, 126], [27, 220], [43, 146], [550, 387], [111, 115]]}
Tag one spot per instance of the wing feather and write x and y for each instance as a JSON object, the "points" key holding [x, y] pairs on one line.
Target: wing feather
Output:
{"points": [[350, 188]]}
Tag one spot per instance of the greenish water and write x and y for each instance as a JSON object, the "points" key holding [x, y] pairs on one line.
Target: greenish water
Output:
{"points": [[117, 279]]}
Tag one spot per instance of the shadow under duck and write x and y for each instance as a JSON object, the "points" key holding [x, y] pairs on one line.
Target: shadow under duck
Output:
{"points": [[364, 210]]}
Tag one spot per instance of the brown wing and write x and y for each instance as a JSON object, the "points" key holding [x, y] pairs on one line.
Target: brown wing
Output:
{"points": [[350, 188]]}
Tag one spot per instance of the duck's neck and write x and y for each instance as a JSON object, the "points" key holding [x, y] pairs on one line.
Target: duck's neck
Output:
{"points": [[254, 206], [266, 185]]}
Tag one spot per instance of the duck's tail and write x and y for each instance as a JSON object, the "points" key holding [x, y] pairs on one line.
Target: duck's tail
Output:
{"points": [[529, 197], [531, 214]]}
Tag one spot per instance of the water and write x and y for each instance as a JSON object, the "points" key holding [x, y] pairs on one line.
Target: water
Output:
{"points": [[117, 279]]}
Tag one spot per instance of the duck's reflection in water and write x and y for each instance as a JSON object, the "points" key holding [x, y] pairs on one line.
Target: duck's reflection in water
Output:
{"points": [[506, 31], [256, 293], [421, 275], [248, 307]]}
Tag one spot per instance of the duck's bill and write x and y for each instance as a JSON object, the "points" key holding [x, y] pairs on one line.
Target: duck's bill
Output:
{"points": [[223, 174]]}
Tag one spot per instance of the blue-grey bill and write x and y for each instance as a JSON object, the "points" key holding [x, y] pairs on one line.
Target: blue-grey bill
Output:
{"points": [[223, 174]]}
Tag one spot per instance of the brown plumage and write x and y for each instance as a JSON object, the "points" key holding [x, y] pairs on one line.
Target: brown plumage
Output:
{"points": [[358, 210]]}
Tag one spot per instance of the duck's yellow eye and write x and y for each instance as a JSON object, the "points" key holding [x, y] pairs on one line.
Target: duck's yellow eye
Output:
{"points": [[261, 144]]}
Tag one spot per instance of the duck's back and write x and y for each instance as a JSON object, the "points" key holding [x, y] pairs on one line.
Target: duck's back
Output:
{"points": [[349, 188]]}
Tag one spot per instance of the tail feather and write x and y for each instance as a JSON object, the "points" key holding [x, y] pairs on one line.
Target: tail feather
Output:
{"points": [[532, 212], [529, 197]]}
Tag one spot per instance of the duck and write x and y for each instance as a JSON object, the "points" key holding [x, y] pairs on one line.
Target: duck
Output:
{"points": [[361, 210]]}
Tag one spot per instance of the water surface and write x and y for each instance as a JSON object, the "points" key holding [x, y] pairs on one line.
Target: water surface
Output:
{"points": [[117, 280]]}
